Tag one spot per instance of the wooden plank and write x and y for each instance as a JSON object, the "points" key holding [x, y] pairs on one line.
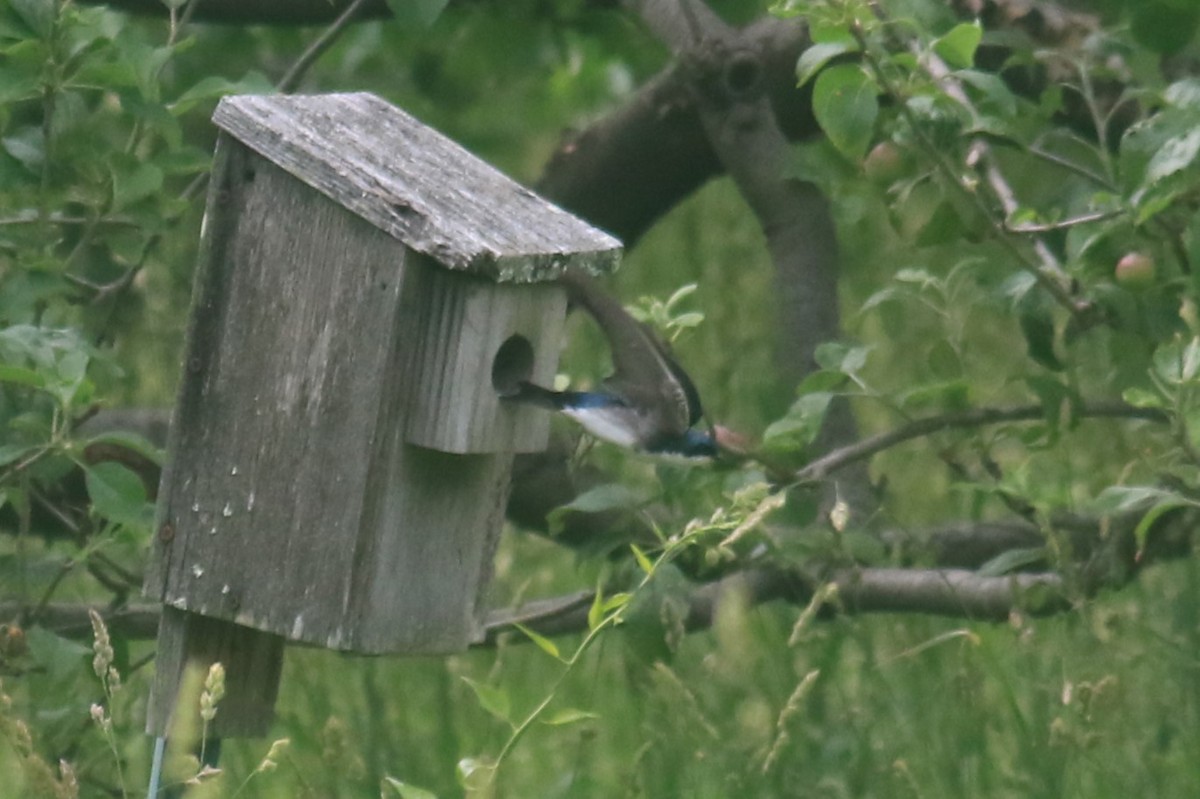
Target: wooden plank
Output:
{"points": [[286, 364], [459, 324], [417, 185], [293, 503], [428, 544], [188, 644]]}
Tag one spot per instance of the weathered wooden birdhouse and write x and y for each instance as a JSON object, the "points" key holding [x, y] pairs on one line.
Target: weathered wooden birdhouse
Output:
{"points": [[339, 456]]}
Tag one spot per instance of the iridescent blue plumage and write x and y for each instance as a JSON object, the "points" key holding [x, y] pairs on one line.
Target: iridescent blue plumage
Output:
{"points": [[649, 403]]}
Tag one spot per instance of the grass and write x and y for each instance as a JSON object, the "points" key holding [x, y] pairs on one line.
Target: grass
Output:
{"points": [[1101, 702]]}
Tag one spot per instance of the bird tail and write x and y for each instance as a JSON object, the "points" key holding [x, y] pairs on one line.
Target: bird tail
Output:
{"points": [[531, 394]]}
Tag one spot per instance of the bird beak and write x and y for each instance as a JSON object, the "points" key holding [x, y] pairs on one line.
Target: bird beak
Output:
{"points": [[730, 442]]}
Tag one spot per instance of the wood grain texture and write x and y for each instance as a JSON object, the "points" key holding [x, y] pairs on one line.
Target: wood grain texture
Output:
{"points": [[188, 644], [339, 458], [417, 185], [274, 431], [424, 562], [295, 502], [459, 323]]}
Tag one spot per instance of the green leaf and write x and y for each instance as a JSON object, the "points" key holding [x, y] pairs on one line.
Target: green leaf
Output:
{"points": [[846, 105], [492, 699], [821, 380], [569, 715], [688, 319], [129, 441], [602, 498], [37, 14], [18, 84], [814, 58], [602, 608], [681, 293], [1164, 26], [133, 180], [1184, 94], [1142, 398], [21, 376], [1142, 531], [596, 611], [616, 602], [117, 493], [946, 395], [839, 356], [917, 276], [1037, 325], [209, 88], [1176, 361], [406, 791], [799, 427], [1121, 499], [643, 561], [57, 655], [420, 12], [1012, 560], [473, 774], [215, 87], [10, 453], [997, 97], [1175, 155], [71, 386], [1157, 157], [880, 297], [543, 643], [957, 48], [26, 146], [1056, 398]]}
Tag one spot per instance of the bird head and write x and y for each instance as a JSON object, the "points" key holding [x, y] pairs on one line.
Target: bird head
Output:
{"points": [[692, 445]]}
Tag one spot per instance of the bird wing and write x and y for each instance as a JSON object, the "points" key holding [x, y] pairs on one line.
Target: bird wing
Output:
{"points": [[643, 370]]}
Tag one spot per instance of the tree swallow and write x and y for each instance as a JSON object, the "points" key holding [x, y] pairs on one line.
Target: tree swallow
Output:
{"points": [[648, 404]]}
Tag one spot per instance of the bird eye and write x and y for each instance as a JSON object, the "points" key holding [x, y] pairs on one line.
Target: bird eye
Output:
{"points": [[512, 365]]}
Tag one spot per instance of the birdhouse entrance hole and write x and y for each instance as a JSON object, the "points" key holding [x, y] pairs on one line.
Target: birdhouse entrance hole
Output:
{"points": [[512, 365]]}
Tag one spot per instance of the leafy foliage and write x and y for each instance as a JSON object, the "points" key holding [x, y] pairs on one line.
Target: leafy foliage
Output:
{"points": [[982, 273]]}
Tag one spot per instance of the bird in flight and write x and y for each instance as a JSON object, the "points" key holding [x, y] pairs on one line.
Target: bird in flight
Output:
{"points": [[648, 404]]}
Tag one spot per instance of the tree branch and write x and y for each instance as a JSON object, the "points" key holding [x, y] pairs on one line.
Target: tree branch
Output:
{"points": [[257, 12], [1105, 560], [728, 85], [356, 10], [943, 592], [978, 417], [630, 167]]}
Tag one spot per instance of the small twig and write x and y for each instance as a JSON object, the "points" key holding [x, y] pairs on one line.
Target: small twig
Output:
{"points": [[35, 615], [693, 22], [59, 514], [294, 75], [1099, 122], [118, 590], [131, 579], [25, 463], [180, 21], [30, 217], [1071, 166], [1044, 267], [101, 291], [1050, 227], [314, 51]]}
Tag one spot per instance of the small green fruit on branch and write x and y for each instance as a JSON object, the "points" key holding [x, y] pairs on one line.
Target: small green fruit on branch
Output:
{"points": [[1135, 270], [885, 163]]}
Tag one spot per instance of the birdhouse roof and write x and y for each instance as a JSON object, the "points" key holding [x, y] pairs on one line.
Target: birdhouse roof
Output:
{"points": [[417, 185]]}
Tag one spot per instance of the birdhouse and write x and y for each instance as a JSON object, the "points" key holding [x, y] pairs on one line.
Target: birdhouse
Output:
{"points": [[340, 454]]}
